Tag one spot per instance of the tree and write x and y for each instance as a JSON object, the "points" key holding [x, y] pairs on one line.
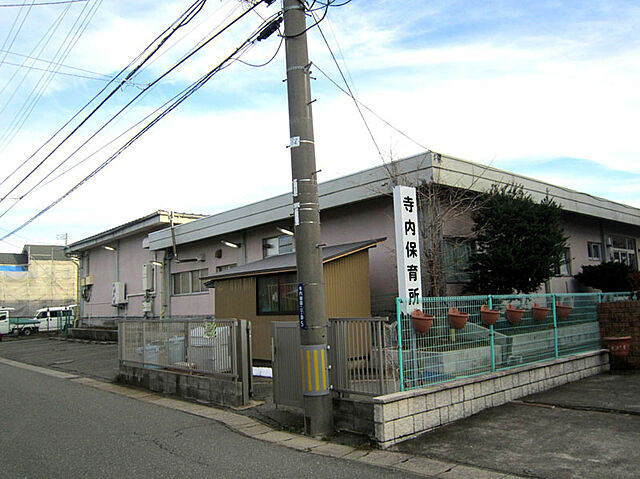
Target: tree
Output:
{"points": [[607, 277], [518, 242]]}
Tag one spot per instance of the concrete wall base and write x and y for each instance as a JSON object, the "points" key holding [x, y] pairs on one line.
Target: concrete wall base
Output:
{"points": [[94, 334], [204, 389], [405, 415]]}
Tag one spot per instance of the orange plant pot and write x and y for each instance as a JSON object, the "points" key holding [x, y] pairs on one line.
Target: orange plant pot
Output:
{"points": [[421, 322], [488, 316], [514, 315], [619, 346], [457, 320], [539, 312], [562, 310]]}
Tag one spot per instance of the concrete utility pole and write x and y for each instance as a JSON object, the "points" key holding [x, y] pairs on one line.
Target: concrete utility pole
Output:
{"points": [[313, 314]]}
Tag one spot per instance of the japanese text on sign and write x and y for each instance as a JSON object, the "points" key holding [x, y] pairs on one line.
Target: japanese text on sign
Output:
{"points": [[407, 244]]}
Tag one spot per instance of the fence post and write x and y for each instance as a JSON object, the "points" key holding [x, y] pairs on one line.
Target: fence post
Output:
{"points": [[144, 346], [187, 341], [399, 319], [491, 335], [378, 325], [555, 325]]}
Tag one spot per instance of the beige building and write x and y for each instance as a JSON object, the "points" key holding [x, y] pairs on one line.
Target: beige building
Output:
{"points": [[39, 277]]}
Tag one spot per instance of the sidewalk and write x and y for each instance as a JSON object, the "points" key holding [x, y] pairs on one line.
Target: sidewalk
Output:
{"points": [[586, 429]]}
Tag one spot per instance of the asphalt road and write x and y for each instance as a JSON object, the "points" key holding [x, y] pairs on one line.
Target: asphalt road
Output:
{"points": [[53, 427]]}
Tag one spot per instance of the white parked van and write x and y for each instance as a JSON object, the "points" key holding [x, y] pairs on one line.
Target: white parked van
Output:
{"points": [[4, 320], [55, 318]]}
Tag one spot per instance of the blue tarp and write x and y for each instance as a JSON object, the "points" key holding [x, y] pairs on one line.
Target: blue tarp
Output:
{"points": [[12, 267]]}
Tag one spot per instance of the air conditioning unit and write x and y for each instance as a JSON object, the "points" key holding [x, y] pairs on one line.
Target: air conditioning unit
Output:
{"points": [[118, 296], [147, 277]]}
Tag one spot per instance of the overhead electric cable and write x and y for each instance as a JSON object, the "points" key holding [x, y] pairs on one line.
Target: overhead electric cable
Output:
{"points": [[127, 79], [367, 108], [124, 108], [185, 18], [351, 93], [179, 99], [39, 4], [71, 40]]}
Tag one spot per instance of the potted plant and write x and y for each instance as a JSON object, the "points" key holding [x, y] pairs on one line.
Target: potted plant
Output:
{"points": [[421, 322], [562, 310], [457, 319], [539, 312], [514, 315], [488, 316], [619, 345]]}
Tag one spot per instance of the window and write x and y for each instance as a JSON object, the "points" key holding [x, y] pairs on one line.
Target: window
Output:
{"points": [[456, 260], [188, 282], [278, 245], [594, 250], [225, 267], [277, 294], [623, 250], [564, 268]]}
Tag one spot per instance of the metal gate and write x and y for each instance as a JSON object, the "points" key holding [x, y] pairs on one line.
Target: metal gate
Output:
{"points": [[285, 352]]}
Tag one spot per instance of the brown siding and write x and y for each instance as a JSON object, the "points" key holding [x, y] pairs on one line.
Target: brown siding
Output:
{"points": [[346, 289]]}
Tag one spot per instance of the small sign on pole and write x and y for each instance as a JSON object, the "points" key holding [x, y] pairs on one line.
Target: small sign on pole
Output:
{"points": [[301, 315], [407, 245]]}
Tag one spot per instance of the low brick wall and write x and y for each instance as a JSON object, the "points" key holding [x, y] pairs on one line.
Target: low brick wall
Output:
{"points": [[404, 415], [353, 415], [207, 389], [622, 316], [94, 334]]}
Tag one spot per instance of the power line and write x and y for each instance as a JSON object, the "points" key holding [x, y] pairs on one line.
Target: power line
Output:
{"points": [[61, 2], [120, 111], [185, 18], [350, 92], [368, 109], [176, 101]]}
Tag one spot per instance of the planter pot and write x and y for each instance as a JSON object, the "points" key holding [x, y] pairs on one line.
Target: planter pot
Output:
{"points": [[421, 322], [539, 312], [619, 346], [562, 310], [488, 316], [457, 320], [514, 315]]}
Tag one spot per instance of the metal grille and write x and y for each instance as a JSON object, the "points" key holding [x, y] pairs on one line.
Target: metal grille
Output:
{"points": [[201, 346], [363, 355], [538, 327]]}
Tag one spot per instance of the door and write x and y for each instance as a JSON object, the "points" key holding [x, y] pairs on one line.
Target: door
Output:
{"points": [[287, 366], [43, 317]]}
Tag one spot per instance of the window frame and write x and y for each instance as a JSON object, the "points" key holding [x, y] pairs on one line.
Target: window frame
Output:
{"points": [[280, 284], [188, 275], [590, 246], [277, 244]]}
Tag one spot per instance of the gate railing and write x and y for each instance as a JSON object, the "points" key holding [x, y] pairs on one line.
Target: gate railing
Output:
{"points": [[529, 328], [363, 356], [195, 346]]}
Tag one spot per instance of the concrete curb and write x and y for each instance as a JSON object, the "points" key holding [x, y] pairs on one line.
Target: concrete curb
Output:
{"points": [[252, 428]]}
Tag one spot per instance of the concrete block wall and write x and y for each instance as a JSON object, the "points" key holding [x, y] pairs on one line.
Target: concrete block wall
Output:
{"points": [[404, 415], [205, 389]]}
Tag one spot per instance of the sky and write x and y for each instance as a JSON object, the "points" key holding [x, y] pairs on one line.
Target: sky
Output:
{"points": [[547, 89]]}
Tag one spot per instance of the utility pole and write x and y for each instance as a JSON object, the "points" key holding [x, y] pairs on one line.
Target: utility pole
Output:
{"points": [[318, 412]]}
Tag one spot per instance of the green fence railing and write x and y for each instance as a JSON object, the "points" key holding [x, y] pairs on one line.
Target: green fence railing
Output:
{"points": [[460, 336]]}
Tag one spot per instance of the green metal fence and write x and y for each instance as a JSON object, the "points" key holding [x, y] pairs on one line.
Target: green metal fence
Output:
{"points": [[461, 340]]}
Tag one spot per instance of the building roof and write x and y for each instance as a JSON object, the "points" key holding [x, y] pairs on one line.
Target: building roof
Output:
{"points": [[13, 259], [287, 262], [45, 252], [157, 219], [378, 181]]}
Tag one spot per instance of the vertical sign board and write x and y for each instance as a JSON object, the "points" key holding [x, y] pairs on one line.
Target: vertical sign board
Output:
{"points": [[301, 315], [407, 246]]}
